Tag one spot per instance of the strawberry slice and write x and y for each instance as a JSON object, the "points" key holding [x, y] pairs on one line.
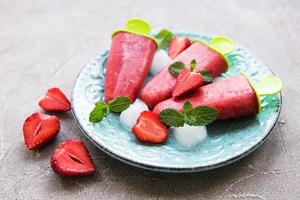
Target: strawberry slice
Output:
{"points": [[39, 129], [72, 158], [186, 82], [55, 100], [149, 128], [177, 45]]}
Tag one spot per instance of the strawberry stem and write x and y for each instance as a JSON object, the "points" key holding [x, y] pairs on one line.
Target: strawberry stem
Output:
{"points": [[193, 65]]}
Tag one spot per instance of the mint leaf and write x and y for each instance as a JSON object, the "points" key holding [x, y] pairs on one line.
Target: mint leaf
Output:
{"points": [[198, 116], [119, 104], [176, 67], [163, 38], [187, 107], [193, 65], [100, 110], [172, 117], [201, 115], [207, 77]]}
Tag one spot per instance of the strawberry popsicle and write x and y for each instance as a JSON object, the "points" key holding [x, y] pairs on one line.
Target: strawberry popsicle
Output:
{"points": [[128, 63], [233, 97], [160, 87]]}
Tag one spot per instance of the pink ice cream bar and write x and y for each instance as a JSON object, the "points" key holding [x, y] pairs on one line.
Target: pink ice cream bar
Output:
{"points": [[233, 97], [129, 61], [160, 87]]}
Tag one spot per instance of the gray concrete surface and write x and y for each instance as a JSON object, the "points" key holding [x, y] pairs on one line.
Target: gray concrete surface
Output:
{"points": [[45, 43]]}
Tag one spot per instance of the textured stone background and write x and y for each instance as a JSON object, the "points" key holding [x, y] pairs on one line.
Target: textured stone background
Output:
{"points": [[45, 43]]}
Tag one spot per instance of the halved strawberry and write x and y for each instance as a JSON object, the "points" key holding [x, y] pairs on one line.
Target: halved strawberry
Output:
{"points": [[39, 129], [186, 82], [149, 128], [72, 158], [177, 45], [55, 100]]}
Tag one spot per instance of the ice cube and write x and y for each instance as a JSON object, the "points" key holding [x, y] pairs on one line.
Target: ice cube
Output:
{"points": [[161, 60], [129, 116], [189, 136]]}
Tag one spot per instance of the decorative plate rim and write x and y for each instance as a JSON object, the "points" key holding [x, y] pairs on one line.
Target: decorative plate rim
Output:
{"points": [[179, 169]]}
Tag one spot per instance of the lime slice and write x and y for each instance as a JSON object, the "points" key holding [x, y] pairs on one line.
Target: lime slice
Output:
{"points": [[221, 44], [269, 85], [138, 26]]}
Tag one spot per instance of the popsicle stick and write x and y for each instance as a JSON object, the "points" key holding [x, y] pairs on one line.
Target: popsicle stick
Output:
{"points": [[222, 44], [269, 85], [138, 26]]}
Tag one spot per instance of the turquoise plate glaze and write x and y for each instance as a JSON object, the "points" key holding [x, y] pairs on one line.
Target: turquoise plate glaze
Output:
{"points": [[227, 141]]}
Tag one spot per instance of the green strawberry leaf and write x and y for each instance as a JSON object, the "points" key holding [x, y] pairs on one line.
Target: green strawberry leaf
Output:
{"points": [[193, 65], [201, 116], [100, 110], [207, 77], [163, 38], [172, 117], [119, 104], [187, 107], [176, 67]]}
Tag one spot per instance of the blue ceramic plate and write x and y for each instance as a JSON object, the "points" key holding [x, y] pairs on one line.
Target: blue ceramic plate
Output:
{"points": [[227, 141]]}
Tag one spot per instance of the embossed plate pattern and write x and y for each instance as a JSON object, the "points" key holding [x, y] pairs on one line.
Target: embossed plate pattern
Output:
{"points": [[227, 140]]}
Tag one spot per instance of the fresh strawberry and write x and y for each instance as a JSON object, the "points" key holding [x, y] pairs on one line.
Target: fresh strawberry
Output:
{"points": [[186, 82], [39, 129], [55, 100], [149, 128], [177, 45], [72, 158]]}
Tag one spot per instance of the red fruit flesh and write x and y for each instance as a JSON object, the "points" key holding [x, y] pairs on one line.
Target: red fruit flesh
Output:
{"points": [[177, 45], [186, 82], [150, 129], [72, 158], [128, 64], [55, 100], [233, 97], [39, 129], [160, 87]]}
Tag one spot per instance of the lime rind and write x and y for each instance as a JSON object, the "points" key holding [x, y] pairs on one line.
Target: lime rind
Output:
{"points": [[223, 55], [255, 91]]}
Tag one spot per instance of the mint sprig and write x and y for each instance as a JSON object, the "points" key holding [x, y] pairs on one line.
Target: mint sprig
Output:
{"points": [[201, 116], [102, 109], [172, 117], [119, 104], [207, 77], [198, 116], [176, 67], [163, 38], [187, 107]]}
